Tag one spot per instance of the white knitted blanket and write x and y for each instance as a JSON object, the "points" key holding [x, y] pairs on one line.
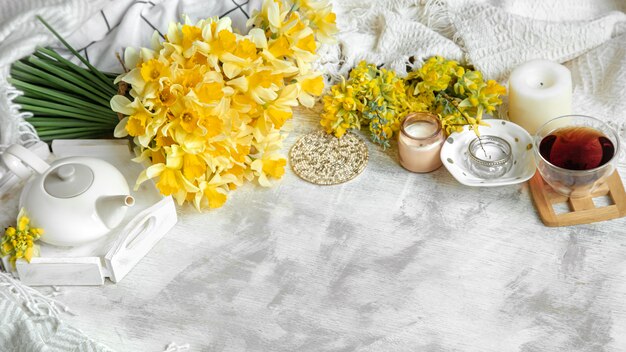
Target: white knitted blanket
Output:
{"points": [[29, 322], [589, 36]]}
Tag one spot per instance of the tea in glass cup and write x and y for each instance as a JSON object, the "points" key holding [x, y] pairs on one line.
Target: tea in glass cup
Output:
{"points": [[575, 154]]}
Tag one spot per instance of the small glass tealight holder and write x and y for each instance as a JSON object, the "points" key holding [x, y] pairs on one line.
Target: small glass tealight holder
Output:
{"points": [[419, 142], [489, 157]]}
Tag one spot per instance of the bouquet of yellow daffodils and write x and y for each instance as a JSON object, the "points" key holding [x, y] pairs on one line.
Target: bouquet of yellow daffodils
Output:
{"points": [[207, 105]]}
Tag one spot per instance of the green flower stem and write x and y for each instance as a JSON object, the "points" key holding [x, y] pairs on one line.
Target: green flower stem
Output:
{"points": [[85, 134], [21, 72], [92, 129], [67, 99], [53, 121], [85, 115], [64, 67], [51, 80], [109, 86], [65, 85], [25, 76], [66, 76], [451, 101], [53, 112], [53, 94], [69, 47], [64, 108]]}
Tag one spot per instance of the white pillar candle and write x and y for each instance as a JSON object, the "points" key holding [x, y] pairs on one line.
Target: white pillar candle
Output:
{"points": [[539, 90]]}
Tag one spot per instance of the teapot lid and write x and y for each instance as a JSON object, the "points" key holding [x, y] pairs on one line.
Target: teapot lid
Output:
{"points": [[68, 180]]}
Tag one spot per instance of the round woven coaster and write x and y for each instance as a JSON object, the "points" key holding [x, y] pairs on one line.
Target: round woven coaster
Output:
{"points": [[323, 159]]}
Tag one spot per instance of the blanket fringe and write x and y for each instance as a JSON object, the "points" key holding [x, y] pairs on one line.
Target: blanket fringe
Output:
{"points": [[438, 17], [435, 15], [26, 133], [37, 303]]}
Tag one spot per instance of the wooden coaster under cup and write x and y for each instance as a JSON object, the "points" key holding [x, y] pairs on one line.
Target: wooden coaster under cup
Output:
{"points": [[581, 210]]}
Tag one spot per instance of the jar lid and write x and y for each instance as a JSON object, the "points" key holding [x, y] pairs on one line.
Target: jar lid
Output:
{"points": [[68, 180]]}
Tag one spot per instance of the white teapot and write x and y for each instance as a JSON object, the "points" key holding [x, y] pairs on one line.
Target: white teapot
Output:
{"points": [[74, 200]]}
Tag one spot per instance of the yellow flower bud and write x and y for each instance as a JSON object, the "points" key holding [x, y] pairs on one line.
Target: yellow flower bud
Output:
{"points": [[10, 231]]}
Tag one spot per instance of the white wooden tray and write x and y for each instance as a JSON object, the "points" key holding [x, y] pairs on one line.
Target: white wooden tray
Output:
{"points": [[114, 255]]}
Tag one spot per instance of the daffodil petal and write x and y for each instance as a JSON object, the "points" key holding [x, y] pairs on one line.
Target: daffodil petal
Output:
{"points": [[240, 83], [131, 57], [257, 36], [306, 100], [121, 104], [154, 170], [120, 128], [231, 70], [225, 23], [273, 13], [150, 172]]}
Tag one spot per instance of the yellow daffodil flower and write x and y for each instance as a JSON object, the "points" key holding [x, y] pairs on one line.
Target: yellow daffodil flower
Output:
{"points": [[154, 69], [171, 179], [266, 168], [271, 15], [325, 26], [279, 110], [208, 106], [311, 85]]}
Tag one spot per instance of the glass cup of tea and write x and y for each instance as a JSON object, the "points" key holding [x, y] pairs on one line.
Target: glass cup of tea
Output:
{"points": [[575, 154]]}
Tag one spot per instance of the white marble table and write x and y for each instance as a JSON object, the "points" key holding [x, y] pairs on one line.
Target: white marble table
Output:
{"points": [[391, 261]]}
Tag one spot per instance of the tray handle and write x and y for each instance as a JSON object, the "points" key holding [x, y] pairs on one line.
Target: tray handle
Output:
{"points": [[139, 236]]}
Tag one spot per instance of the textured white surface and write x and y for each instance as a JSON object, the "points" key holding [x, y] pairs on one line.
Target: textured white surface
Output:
{"points": [[391, 261]]}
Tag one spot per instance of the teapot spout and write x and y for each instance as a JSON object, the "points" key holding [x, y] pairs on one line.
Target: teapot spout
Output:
{"points": [[111, 209]]}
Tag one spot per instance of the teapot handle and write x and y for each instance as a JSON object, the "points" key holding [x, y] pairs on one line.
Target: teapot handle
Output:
{"points": [[17, 158]]}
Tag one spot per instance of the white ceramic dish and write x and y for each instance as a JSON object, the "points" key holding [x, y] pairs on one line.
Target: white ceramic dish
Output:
{"points": [[454, 154]]}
